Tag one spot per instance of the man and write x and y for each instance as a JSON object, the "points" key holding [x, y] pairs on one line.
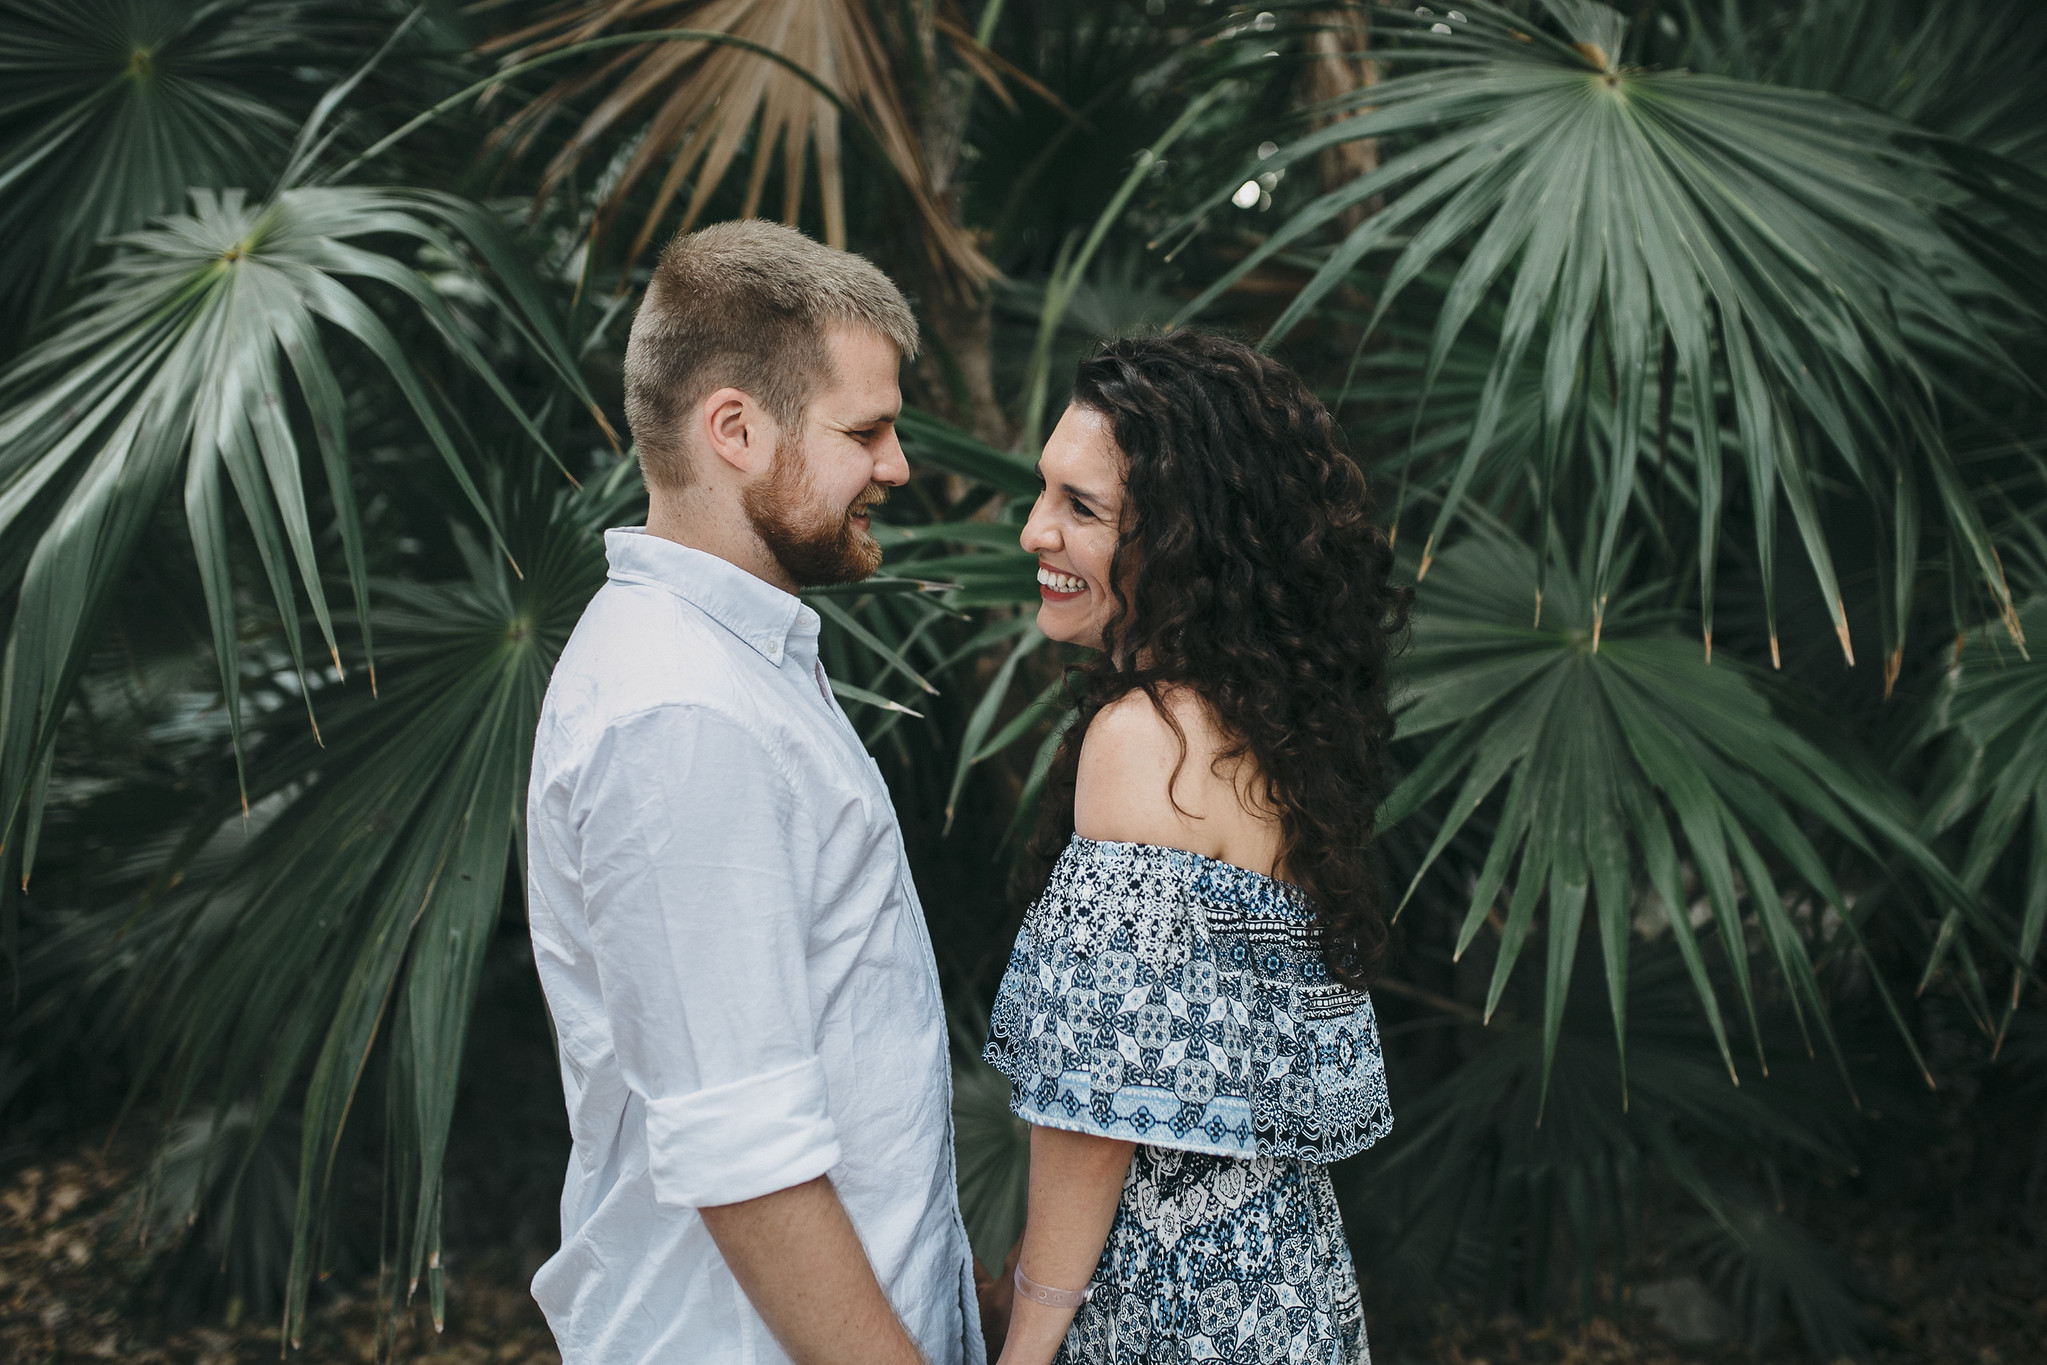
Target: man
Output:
{"points": [[752, 1042]]}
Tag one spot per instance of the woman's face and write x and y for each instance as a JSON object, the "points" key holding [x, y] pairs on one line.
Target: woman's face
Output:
{"points": [[1073, 527]]}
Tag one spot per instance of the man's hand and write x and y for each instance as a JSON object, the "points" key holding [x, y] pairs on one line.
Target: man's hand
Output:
{"points": [[801, 1264], [996, 1294]]}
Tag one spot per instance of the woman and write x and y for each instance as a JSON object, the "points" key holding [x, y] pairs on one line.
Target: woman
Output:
{"points": [[1183, 1021]]}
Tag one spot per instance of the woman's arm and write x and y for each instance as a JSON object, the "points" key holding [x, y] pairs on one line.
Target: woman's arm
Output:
{"points": [[1076, 1181]]}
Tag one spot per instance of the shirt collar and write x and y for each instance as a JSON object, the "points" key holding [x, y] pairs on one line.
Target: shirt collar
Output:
{"points": [[758, 612]]}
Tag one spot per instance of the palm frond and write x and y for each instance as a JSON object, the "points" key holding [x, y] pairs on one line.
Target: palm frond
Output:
{"points": [[1766, 1262], [930, 440], [1776, 257], [112, 110], [1967, 69], [1988, 723], [1522, 1167], [1625, 758], [400, 830], [202, 349], [696, 104], [1077, 253]]}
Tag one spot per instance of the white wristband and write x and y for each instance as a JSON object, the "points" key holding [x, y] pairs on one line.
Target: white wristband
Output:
{"points": [[1050, 1297]]}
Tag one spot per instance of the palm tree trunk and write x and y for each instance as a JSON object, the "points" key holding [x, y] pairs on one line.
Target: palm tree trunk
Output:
{"points": [[955, 373], [1339, 67]]}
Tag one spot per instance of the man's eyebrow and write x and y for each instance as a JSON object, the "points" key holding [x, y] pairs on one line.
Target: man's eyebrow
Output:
{"points": [[879, 419]]}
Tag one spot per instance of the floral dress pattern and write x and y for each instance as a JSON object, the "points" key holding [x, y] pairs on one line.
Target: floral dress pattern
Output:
{"points": [[1181, 1003]]}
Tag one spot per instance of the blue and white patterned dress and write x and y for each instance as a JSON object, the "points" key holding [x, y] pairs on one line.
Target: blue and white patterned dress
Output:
{"points": [[1181, 1003]]}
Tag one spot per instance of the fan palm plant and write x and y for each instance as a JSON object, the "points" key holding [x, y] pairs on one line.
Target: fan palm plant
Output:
{"points": [[1571, 266], [691, 90], [1757, 289], [111, 111], [1964, 70], [1763, 269], [175, 364], [1988, 724], [204, 353], [1518, 1164], [694, 103], [1626, 765], [399, 829]]}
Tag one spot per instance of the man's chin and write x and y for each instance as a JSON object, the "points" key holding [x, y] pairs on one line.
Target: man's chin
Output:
{"points": [[829, 562], [866, 558]]}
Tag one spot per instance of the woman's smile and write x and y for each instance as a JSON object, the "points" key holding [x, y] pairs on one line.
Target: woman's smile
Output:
{"points": [[1055, 585]]}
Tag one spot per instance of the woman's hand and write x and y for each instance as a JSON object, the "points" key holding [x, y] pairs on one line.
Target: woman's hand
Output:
{"points": [[1076, 1183]]}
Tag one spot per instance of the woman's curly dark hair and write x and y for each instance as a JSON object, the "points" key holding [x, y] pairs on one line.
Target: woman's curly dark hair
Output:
{"points": [[1260, 582]]}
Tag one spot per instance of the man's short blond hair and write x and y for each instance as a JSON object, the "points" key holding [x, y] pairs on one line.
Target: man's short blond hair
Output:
{"points": [[744, 305]]}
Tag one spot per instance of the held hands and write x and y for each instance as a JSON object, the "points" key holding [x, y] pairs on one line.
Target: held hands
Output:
{"points": [[996, 1293]]}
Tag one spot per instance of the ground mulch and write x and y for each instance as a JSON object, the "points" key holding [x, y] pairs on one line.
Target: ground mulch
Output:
{"points": [[74, 1288], [1948, 1296], [1960, 1295]]}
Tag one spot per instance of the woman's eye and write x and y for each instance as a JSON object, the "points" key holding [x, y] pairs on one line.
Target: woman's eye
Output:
{"points": [[1081, 510]]}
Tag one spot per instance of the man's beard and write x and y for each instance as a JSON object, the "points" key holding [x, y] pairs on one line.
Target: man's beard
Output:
{"points": [[814, 554]]}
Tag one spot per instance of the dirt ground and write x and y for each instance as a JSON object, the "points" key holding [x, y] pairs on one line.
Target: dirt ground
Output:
{"points": [[73, 1289]]}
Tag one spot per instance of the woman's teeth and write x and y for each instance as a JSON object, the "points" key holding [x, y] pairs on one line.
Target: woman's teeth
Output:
{"points": [[1059, 582]]}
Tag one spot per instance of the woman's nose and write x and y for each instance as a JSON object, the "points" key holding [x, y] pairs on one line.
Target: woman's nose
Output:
{"points": [[1039, 537]]}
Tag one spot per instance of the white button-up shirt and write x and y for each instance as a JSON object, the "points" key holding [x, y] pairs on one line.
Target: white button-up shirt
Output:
{"points": [[741, 981]]}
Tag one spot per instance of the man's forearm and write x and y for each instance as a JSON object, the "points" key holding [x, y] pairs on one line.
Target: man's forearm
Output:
{"points": [[801, 1264]]}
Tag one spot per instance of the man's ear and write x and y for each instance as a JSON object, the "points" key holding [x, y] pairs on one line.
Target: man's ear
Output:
{"points": [[738, 431]]}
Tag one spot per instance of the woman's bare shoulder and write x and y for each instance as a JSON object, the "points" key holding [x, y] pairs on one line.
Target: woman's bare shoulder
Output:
{"points": [[1124, 790]]}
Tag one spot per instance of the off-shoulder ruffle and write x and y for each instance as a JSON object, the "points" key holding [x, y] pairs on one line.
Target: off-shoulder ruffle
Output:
{"points": [[1162, 997]]}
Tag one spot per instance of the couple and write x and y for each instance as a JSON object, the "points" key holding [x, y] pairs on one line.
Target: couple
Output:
{"points": [[752, 1042]]}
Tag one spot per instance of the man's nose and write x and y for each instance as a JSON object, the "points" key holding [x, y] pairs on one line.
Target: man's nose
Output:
{"points": [[890, 465]]}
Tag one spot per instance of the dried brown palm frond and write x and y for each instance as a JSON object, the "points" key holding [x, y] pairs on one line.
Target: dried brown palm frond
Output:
{"points": [[692, 103]]}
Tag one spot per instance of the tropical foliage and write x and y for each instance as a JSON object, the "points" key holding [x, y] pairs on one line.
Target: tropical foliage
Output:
{"points": [[1625, 312]]}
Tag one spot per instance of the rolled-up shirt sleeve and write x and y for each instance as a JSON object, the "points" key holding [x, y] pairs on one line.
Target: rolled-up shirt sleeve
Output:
{"points": [[699, 879]]}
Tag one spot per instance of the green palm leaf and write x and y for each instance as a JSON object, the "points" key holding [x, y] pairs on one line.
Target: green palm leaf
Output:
{"points": [[1525, 1141], [1965, 68], [1621, 757], [1773, 256], [988, 568], [932, 441], [199, 351], [111, 111], [1988, 722], [360, 912]]}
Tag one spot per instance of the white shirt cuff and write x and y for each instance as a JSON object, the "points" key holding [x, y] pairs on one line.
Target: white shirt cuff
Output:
{"points": [[743, 1139]]}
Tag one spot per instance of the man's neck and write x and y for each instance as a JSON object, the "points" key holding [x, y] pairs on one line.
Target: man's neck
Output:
{"points": [[700, 523]]}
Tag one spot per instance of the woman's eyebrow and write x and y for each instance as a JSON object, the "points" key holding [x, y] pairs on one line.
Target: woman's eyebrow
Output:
{"points": [[1070, 490]]}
